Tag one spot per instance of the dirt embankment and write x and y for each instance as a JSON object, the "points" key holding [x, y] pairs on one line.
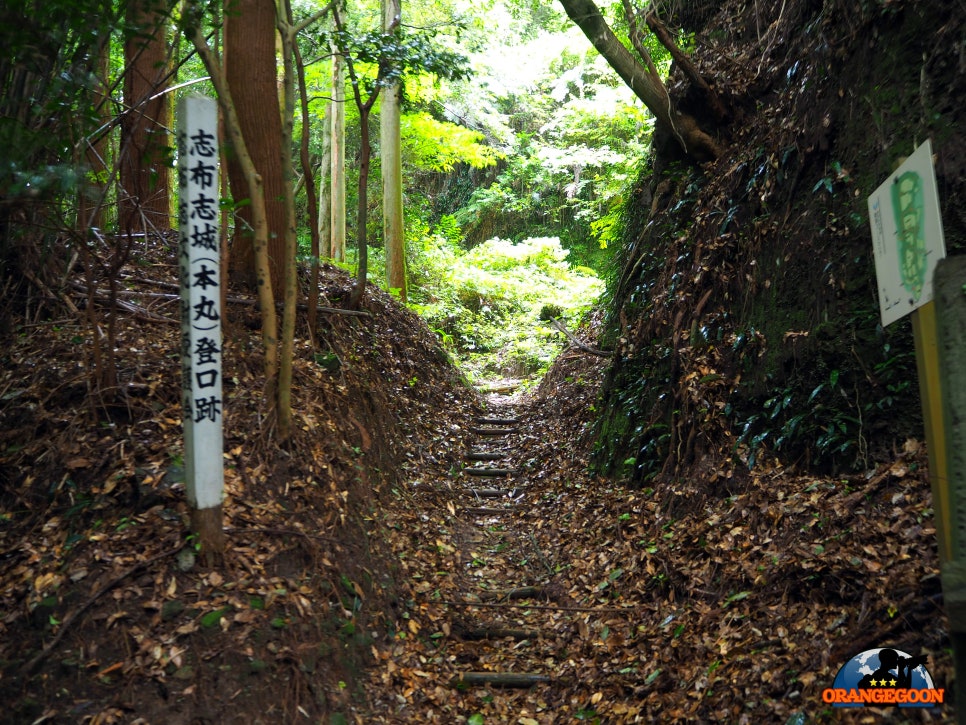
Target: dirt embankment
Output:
{"points": [[101, 591], [747, 318]]}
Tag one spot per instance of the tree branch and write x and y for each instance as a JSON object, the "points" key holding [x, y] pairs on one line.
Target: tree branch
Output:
{"points": [[578, 343], [684, 63], [695, 141]]}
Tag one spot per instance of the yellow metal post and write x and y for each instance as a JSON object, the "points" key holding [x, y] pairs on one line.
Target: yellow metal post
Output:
{"points": [[930, 393]]}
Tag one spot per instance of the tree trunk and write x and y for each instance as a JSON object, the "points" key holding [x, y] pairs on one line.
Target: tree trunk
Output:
{"points": [[394, 233], [90, 207], [251, 70], [143, 200], [648, 89], [266, 301], [365, 156], [337, 176], [325, 191], [310, 191], [287, 34], [362, 213]]}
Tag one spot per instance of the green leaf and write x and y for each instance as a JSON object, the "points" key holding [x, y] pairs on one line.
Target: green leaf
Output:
{"points": [[211, 619], [475, 719], [736, 598]]}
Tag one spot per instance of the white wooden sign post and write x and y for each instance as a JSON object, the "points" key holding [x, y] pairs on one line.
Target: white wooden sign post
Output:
{"points": [[201, 343]]}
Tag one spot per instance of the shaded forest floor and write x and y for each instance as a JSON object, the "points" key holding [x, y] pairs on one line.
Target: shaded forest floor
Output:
{"points": [[369, 578], [367, 571]]}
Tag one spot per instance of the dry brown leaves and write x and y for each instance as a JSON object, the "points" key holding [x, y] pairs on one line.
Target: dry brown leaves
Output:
{"points": [[727, 601], [100, 586]]}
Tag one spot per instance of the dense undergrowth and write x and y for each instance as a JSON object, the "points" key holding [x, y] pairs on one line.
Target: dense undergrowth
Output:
{"points": [[493, 305]]}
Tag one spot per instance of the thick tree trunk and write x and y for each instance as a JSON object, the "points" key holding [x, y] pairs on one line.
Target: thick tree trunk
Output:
{"points": [[266, 301], [143, 198], [394, 234], [251, 70], [650, 90]]}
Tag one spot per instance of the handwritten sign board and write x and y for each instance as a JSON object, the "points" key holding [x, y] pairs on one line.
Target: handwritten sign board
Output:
{"points": [[200, 271], [907, 235]]}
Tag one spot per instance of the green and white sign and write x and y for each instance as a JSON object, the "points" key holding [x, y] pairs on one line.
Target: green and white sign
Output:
{"points": [[907, 235]]}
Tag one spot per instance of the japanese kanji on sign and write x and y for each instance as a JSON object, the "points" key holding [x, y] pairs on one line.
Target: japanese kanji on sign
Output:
{"points": [[200, 271]]}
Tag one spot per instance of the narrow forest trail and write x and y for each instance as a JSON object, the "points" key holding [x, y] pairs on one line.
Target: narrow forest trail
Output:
{"points": [[492, 622], [535, 592], [488, 634]]}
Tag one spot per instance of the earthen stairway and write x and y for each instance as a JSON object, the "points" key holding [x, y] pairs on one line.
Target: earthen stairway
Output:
{"points": [[489, 626]]}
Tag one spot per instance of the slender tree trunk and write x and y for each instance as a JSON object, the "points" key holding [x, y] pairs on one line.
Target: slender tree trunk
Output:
{"points": [[362, 213], [251, 74], [325, 187], [310, 192], [287, 35], [394, 233], [144, 175], [90, 208], [337, 215], [365, 156]]}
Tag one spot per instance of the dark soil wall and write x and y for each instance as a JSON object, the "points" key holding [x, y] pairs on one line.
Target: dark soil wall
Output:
{"points": [[745, 314]]}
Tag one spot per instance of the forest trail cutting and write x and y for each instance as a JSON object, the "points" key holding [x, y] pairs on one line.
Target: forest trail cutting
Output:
{"points": [[427, 553], [541, 594]]}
